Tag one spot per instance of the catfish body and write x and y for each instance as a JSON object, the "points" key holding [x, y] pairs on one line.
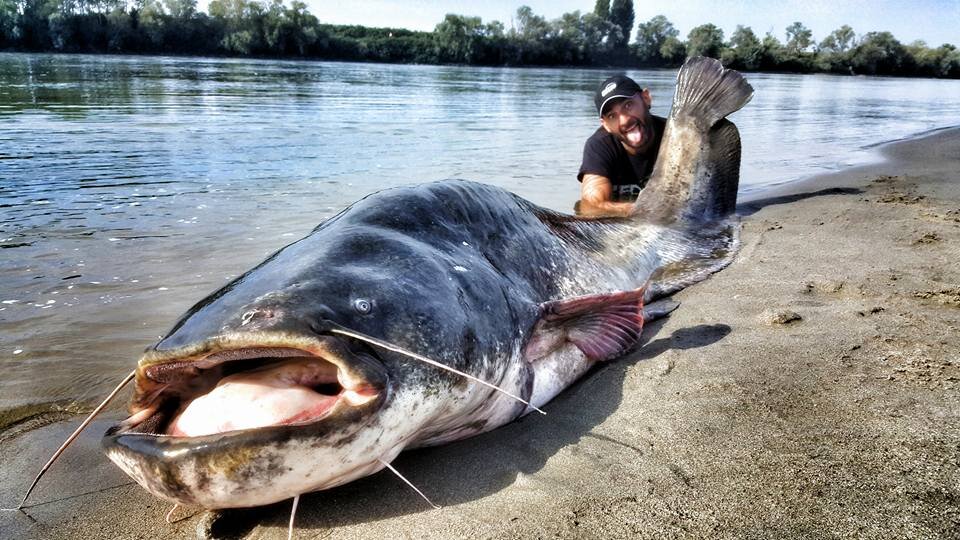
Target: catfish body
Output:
{"points": [[466, 274]]}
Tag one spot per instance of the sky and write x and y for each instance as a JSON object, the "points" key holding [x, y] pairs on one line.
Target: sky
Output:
{"points": [[934, 21]]}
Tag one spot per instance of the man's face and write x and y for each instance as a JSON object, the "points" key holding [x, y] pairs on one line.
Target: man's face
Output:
{"points": [[629, 121]]}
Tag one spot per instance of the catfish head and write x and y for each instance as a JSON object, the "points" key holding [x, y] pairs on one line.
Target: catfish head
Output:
{"points": [[253, 397]]}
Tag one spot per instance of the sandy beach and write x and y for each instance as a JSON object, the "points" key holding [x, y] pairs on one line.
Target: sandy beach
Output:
{"points": [[809, 390]]}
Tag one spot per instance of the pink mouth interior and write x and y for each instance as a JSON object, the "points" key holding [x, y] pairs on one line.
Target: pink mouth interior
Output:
{"points": [[635, 134], [294, 391]]}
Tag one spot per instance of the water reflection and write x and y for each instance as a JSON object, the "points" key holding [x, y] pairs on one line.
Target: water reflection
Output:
{"points": [[132, 186]]}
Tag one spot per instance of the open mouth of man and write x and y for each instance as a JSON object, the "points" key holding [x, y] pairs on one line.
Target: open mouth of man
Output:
{"points": [[633, 134], [253, 387]]}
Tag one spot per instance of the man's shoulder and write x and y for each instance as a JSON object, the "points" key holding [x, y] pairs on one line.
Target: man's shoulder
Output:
{"points": [[601, 153], [601, 139], [598, 135]]}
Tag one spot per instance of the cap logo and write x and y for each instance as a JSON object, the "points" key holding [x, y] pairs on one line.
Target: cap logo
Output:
{"points": [[607, 89]]}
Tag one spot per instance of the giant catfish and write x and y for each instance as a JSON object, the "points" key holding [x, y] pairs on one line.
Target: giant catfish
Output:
{"points": [[292, 378]]}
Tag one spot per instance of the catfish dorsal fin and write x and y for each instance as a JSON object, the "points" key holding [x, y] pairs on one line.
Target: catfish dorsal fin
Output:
{"points": [[602, 326]]}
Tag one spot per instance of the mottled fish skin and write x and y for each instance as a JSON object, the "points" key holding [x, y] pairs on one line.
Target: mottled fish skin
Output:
{"points": [[457, 271]]}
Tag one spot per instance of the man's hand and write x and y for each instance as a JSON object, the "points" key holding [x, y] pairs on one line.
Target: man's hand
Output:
{"points": [[596, 194]]}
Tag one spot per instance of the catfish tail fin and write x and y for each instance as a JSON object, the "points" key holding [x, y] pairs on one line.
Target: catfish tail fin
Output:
{"points": [[707, 92], [697, 171]]}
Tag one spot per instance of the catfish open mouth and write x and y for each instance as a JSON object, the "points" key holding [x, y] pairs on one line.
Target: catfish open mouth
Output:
{"points": [[241, 384]]}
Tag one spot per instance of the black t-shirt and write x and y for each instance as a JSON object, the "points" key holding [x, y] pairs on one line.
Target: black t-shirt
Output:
{"points": [[604, 155]]}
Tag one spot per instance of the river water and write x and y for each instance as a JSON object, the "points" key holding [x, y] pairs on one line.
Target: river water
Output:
{"points": [[130, 187]]}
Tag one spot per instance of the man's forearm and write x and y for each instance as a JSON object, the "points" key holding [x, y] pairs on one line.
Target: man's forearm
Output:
{"points": [[596, 194], [605, 208]]}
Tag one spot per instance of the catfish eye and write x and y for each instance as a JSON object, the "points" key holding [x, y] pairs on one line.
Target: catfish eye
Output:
{"points": [[362, 306]]}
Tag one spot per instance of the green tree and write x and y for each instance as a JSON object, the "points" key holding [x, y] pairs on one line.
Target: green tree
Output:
{"points": [[602, 9], [705, 40], [795, 56], [612, 35], [567, 42], [944, 61], [59, 29], [243, 25], [673, 51], [150, 21], [494, 43], [799, 38], [595, 31], [651, 36], [949, 64], [529, 37], [180, 9], [569, 38], [771, 52], [289, 31], [581, 39], [879, 53], [840, 40], [621, 14], [459, 39], [745, 50], [9, 19], [531, 26], [834, 51], [121, 36]]}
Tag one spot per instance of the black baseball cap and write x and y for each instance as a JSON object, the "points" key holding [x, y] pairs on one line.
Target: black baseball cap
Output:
{"points": [[618, 86]]}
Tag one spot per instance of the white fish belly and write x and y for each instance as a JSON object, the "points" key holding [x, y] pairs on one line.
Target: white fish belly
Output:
{"points": [[556, 371]]}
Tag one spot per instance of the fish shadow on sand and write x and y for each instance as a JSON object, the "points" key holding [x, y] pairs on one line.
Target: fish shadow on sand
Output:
{"points": [[752, 207], [477, 467]]}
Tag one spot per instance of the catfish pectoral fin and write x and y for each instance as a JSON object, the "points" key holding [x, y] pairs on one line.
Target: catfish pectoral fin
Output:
{"points": [[602, 326]]}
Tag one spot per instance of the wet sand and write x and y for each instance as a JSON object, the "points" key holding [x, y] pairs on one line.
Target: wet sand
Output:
{"points": [[810, 390]]}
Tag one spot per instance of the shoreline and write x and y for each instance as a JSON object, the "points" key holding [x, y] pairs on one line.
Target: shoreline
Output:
{"points": [[597, 67], [885, 152], [807, 390]]}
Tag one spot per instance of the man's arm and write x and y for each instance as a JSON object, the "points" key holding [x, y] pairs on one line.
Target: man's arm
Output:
{"points": [[596, 194]]}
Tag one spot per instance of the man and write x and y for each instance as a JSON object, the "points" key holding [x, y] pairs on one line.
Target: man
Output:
{"points": [[618, 158]]}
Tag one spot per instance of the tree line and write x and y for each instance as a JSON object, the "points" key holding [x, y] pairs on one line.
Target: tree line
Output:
{"points": [[601, 37]]}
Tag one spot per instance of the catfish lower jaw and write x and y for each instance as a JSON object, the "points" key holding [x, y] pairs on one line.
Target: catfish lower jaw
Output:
{"points": [[246, 467], [177, 454]]}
